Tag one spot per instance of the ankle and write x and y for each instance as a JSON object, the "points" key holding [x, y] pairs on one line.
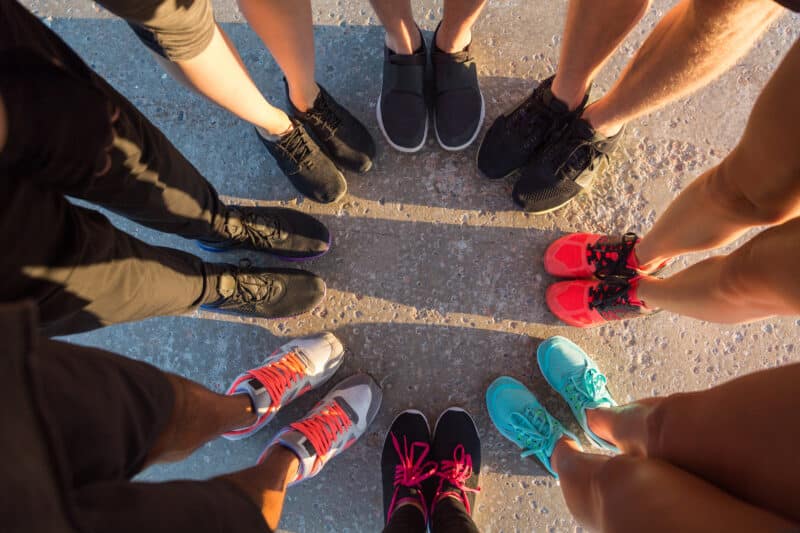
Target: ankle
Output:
{"points": [[452, 40], [562, 452], [571, 96], [303, 98], [606, 128], [404, 42]]}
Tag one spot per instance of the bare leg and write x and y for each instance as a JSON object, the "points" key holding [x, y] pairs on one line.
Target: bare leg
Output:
{"points": [[402, 33], [286, 28], [455, 33], [593, 30], [757, 184], [756, 281], [631, 494], [739, 435], [219, 74], [694, 43]]}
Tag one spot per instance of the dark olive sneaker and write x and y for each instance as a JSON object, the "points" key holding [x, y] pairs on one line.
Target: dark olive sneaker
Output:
{"points": [[306, 165], [457, 449], [407, 467], [515, 136], [265, 292], [563, 168], [402, 110], [343, 137], [285, 233], [458, 103]]}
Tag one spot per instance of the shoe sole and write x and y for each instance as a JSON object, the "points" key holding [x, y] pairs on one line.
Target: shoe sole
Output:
{"points": [[208, 248], [474, 135], [397, 147], [585, 182]]}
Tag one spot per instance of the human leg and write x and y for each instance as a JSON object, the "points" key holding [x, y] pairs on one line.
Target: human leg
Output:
{"points": [[402, 34], [693, 44], [736, 435]]}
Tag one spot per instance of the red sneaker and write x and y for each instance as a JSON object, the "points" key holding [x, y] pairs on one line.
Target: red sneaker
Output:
{"points": [[585, 303], [583, 255]]}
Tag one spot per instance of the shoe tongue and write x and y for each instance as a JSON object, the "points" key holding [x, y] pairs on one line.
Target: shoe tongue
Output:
{"points": [[583, 129], [226, 285]]}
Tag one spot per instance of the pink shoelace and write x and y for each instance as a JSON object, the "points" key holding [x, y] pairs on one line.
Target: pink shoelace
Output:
{"points": [[456, 473], [411, 472]]}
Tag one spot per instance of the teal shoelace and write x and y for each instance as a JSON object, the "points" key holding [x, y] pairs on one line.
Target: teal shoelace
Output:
{"points": [[534, 430], [588, 388]]}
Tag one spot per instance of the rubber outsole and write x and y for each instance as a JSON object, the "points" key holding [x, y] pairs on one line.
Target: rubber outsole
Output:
{"points": [[208, 248]]}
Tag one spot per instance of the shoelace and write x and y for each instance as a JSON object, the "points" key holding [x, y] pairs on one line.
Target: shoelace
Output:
{"points": [[323, 428], [325, 116], [455, 472], [589, 386], [296, 147], [277, 377], [534, 430], [611, 291], [247, 229], [531, 114], [410, 472], [249, 292], [611, 258]]}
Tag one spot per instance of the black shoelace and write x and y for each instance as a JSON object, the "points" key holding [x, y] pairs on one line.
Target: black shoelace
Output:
{"points": [[611, 258], [251, 287], [257, 228], [296, 147], [610, 292], [532, 115], [324, 115]]}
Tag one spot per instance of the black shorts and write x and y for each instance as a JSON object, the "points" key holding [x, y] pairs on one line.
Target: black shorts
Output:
{"points": [[99, 414]]}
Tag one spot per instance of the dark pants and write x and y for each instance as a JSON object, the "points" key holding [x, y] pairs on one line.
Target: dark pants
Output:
{"points": [[449, 516], [82, 272]]}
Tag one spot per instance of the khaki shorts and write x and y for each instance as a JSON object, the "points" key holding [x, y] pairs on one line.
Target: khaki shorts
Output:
{"points": [[175, 29]]}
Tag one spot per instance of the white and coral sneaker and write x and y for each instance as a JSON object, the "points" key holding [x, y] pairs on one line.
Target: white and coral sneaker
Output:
{"points": [[332, 426], [292, 370]]}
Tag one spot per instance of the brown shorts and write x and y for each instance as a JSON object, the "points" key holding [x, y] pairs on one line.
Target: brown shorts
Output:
{"points": [[175, 29]]}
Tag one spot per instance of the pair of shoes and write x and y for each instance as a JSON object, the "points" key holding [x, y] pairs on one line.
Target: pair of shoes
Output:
{"points": [[267, 292], [555, 152], [330, 427], [321, 138], [605, 276], [458, 106], [521, 418], [424, 470]]}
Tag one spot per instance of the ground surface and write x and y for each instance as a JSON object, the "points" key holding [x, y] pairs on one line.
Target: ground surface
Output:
{"points": [[435, 280]]}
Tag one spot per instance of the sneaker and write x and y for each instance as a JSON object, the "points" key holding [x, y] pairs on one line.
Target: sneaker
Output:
{"points": [[458, 103], [343, 137], [402, 109], [266, 292], [563, 168], [583, 255], [406, 464], [520, 418], [572, 374], [457, 449], [285, 233], [292, 370], [584, 303], [515, 136], [306, 165], [332, 426]]}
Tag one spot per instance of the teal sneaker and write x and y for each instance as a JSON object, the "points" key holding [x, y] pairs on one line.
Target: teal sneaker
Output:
{"points": [[572, 374], [520, 418]]}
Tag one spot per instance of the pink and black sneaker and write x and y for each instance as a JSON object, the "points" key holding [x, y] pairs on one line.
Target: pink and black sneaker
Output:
{"points": [[457, 450], [585, 303], [584, 255], [332, 426], [292, 370], [407, 468]]}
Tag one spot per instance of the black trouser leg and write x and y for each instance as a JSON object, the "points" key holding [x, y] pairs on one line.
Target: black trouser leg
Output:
{"points": [[450, 516], [406, 519]]}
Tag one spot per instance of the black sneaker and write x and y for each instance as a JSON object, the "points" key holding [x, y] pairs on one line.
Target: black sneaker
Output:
{"points": [[406, 465], [402, 109], [265, 292], [285, 233], [343, 137], [515, 136], [457, 449], [458, 103], [565, 166], [306, 165]]}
